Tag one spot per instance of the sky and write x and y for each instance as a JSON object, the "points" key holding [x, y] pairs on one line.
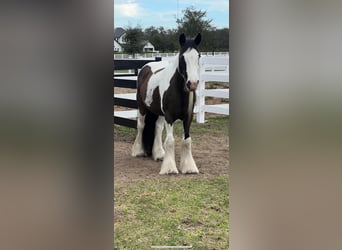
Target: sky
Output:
{"points": [[146, 13]]}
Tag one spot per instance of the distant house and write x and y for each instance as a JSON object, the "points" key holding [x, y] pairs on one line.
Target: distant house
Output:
{"points": [[117, 47], [119, 40], [149, 47]]}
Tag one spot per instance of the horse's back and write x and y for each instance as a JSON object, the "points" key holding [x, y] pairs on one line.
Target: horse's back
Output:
{"points": [[157, 66], [150, 69]]}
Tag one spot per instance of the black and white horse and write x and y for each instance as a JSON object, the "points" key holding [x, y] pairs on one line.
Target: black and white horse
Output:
{"points": [[165, 93]]}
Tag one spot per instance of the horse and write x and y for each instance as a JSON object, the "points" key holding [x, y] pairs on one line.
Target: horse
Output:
{"points": [[166, 93]]}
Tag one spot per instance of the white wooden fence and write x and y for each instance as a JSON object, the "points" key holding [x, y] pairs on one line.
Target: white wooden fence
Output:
{"points": [[171, 54], [212, 69]]}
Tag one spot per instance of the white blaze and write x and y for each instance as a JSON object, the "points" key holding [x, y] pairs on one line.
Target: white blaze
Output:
{"points": [[192, 68]]}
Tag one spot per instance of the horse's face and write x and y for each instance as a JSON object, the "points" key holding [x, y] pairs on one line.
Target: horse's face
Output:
{"points": [[189, 61]]}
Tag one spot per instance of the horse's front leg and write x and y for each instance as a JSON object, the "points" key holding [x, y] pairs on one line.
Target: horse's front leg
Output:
{"points": [[169, 164], [187, 163]]}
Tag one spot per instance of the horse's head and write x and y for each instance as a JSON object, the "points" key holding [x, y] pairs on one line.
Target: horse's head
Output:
{"points": [[188, 65]]}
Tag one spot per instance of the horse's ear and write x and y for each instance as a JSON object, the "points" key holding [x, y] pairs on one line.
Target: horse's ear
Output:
{"points": [[182, 39], [198, 39]]}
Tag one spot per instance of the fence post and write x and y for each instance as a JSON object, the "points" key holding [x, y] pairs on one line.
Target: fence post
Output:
{"points": [[200, 95]]}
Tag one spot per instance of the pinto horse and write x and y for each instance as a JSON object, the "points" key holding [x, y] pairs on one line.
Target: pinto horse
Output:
{"points": [[166, 93]]}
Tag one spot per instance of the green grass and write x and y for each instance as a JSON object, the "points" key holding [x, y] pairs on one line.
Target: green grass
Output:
{"points": [[121, 71], [172, 211], [217, 125]]}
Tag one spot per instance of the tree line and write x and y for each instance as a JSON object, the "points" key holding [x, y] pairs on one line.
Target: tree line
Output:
{"points": [[166, 40]]}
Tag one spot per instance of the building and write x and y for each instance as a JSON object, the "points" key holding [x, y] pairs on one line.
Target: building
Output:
{"points": [[119, 40], [117, 47], [149, 47]]}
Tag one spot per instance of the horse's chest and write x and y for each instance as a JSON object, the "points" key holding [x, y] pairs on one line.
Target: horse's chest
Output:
{"points": [[178, 106]]}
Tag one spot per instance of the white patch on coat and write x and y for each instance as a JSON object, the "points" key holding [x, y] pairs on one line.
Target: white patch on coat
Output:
{"points": [[154, 81], [191, 57], [161, 79]]}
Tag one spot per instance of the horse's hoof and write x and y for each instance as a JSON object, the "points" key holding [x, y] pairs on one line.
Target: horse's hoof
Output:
{"points": [[168, 171], [159, 158], [136, 153], [190, 171], [158, 155], [188, 167]]}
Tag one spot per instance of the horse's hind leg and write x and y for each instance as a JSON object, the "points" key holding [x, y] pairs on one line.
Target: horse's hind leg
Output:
{"points": [[158, 151], [138, 148]]}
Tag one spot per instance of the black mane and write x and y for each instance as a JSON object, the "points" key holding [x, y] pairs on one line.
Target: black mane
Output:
{"points": [[188, 43]]}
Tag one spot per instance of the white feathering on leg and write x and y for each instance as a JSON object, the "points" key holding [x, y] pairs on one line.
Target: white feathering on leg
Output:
{"points": [[169, 164], [138, 148], [187, 163], [158, 151]]}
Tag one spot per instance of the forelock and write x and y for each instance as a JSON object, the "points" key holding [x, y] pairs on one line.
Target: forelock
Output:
{"points": [[189, 44]]}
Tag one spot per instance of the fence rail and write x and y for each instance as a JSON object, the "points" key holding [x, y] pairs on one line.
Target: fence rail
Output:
{"points": [[155, 54], [127, 80]]}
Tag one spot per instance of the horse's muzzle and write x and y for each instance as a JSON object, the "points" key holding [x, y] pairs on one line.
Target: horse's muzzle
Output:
{"points": [[192, 85]]}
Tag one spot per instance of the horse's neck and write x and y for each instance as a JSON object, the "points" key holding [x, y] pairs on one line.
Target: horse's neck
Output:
{"points": [[174, 63], [174, 66]]}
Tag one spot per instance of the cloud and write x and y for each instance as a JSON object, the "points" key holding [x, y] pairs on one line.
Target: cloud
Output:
{"points": [[128, 9], [217, 5]]}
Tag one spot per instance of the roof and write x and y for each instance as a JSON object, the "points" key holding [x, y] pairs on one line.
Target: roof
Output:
{"points": [[117, 44], [118, 32]]}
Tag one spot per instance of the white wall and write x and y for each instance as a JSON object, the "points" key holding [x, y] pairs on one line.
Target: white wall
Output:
{"points": [[117, 47]]}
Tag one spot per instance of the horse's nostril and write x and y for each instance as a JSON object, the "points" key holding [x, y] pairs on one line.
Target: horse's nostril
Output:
{"points": [[192, 85]]}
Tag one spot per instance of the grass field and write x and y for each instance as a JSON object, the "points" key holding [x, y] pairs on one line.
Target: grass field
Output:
{"points": [[172, 212]]}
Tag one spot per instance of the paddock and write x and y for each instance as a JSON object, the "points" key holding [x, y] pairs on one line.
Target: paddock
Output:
{"points": [[185, 209]]}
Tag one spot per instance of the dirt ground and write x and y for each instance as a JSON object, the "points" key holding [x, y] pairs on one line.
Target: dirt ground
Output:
{"points": [[210, 154]]}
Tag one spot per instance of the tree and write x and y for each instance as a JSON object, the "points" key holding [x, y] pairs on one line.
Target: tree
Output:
{"points": [[162, 39], [134, 40], [193, 22], [153, 35], [222, 39]]}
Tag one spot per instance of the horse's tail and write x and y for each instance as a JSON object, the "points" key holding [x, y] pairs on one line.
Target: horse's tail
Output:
{"points": [[149, 131]]}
